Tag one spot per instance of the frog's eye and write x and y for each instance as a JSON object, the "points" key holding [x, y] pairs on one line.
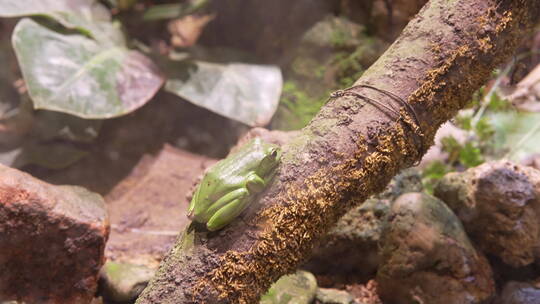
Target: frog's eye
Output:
{"points": [[274, 153]]}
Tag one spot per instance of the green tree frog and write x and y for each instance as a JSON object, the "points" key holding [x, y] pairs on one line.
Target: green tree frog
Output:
{"points": [[230, 185]]}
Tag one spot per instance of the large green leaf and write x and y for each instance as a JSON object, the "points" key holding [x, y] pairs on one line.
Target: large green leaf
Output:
{"points": [[59, 9], [88, 16], [244, 92], [78, 75]]}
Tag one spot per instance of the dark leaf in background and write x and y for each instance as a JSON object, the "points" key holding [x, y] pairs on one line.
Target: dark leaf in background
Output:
{"points": [[50, 125], [46, 139], [174, 10]]}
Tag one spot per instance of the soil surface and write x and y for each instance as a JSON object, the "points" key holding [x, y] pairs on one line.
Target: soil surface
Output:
{"points": [[148, 209]]}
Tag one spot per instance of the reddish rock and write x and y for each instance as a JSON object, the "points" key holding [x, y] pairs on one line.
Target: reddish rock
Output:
{"points": [[365, 294], [499, 205], [52, 240], [532, 161]]}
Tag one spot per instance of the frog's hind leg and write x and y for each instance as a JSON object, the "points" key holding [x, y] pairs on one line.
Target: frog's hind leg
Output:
{"points": [[227, 199], [226, 214], [255, 183]]}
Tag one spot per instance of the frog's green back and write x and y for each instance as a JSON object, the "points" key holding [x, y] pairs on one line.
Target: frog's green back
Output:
{"points": [[229, 173], [233, 169]]}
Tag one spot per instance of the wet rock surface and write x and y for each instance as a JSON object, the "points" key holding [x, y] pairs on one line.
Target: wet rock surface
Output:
{"points": [[52, 240], [426, 257], [148, 209], [499, 205]]}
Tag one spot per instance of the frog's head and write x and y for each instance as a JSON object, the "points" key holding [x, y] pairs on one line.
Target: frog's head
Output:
{"points": [[270, 160]]}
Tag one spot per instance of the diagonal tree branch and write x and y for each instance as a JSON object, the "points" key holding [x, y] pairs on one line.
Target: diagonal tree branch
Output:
{"points": [[348, 152]]}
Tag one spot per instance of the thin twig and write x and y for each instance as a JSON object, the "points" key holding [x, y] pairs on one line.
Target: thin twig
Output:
{"points": [[349, 92]]}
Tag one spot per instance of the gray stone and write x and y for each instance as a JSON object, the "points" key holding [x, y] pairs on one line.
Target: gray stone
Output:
{"points": [[124, 282], [519, 293], [333, 296], [298, 288], [498, 203], [426, 257]]}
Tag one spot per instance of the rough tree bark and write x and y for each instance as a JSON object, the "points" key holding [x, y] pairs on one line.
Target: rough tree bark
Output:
{"points": [[348, 152]]}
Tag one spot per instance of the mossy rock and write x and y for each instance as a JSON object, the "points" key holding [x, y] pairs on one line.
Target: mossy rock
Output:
{"points": [[298, 288]]}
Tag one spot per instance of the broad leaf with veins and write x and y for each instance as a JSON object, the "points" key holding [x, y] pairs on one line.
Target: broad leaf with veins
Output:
{"points": [[248, 93], [78, 75], [88, 16]]}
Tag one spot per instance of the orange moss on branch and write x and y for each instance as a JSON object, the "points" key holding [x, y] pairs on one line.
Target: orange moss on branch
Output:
{"points": [[435, 91]]}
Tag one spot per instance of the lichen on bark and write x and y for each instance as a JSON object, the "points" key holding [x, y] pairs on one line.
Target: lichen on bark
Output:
{"points": [[349, 151]]}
